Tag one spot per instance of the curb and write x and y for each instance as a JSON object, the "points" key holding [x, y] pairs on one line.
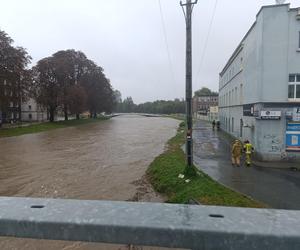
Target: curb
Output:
{"points": [[277, 165]]}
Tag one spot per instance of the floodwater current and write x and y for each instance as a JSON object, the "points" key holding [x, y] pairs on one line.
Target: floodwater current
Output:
{"points": [[100, 161]]}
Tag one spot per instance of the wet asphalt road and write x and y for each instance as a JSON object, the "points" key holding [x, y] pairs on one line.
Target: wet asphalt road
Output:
{"points": [[275, 187]]}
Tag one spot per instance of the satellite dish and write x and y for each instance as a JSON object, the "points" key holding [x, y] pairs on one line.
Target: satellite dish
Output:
{"points": [[280, 1]]}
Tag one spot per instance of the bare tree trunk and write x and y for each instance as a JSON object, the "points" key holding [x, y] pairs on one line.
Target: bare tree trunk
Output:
{"points": [[66, 112], [51, 113]]}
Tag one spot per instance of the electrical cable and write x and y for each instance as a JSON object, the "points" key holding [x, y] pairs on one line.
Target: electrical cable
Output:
{"points": [[166, 40], [206, 40]]}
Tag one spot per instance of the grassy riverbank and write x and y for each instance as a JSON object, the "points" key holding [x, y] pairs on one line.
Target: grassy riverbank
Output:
{"points": [[41, 127], [163, 174]]}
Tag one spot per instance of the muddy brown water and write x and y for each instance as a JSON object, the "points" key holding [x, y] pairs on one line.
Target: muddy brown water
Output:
{"points": [[100, 161]]}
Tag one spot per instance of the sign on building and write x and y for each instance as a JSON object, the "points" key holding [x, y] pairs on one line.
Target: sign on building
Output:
{"points": [[270, 115], [248, 110], [293, 136], [296, 114], [214, 109]]}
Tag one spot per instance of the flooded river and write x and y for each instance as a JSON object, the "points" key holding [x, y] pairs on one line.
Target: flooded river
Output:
{"points": [[105, 160]]}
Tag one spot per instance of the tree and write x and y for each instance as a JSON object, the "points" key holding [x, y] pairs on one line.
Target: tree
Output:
{"points": [[14, 75], [76, 99], [70, 81], [98, 89], [117, 96], [205, 92], [128, 105], [70, 65], [117, 101], [46, 89]]}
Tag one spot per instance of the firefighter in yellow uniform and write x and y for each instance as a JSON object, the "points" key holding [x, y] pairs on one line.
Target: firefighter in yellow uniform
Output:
{"points": [[248, 149], [236, 153]]}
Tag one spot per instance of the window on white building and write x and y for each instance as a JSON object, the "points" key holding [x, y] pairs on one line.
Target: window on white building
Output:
{"points": [[235, 95], [241, 94], [294, 86]]}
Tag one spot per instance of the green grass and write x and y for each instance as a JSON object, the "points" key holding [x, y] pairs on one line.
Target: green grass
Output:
{"points": [[163, 174], [40, 127]]}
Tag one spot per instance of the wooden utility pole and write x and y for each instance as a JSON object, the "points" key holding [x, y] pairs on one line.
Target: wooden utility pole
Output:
{"points": [[189, 118]]}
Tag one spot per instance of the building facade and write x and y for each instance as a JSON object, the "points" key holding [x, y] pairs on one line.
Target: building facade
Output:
{"points": [[259, 87], [32, 112], [13, 109], [202, 104]]}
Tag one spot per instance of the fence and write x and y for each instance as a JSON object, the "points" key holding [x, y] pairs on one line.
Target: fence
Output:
{"points": [[150, 224]]}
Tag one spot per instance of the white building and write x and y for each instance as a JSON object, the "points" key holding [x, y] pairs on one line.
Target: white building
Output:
{"points": [[259, 87], [32, 112]]}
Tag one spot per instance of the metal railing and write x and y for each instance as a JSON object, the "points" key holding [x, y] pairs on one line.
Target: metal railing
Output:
{"points": [[150, 224]]}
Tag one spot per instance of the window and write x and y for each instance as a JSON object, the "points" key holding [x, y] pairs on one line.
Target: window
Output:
{"points": [[294, 86], [29, 106], [236, 95], [30, 116], [292, 78], [241, 94], [298, 91], [291, 91]]}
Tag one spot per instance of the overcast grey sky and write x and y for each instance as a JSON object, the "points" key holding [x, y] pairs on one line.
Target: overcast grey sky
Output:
{"points": [[126, 38]]}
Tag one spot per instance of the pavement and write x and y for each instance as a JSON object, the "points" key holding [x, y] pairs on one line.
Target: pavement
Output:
{"points": [[278, 188]]}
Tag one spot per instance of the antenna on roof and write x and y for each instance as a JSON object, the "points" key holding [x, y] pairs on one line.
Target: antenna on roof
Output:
{"points": [[280, 1]]}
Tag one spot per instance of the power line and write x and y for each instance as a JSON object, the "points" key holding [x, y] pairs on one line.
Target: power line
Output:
{"points": [[206, 40], [166, 41]]}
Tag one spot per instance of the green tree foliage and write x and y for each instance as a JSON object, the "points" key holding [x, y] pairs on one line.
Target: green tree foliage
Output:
{"points": [[205, 92], [69, 81], [46, 88], [98, 89], [76, 99], [14, 75], [70, 65], [157, 107]]}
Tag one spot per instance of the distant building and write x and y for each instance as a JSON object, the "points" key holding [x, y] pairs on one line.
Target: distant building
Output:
{"points": [[32, 112], [9, 108], [259, 87], [13, 109], [202, 104]]}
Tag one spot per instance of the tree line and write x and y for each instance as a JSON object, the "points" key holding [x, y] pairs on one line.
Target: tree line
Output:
{"points": [[66, 81], [157, 107]]}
